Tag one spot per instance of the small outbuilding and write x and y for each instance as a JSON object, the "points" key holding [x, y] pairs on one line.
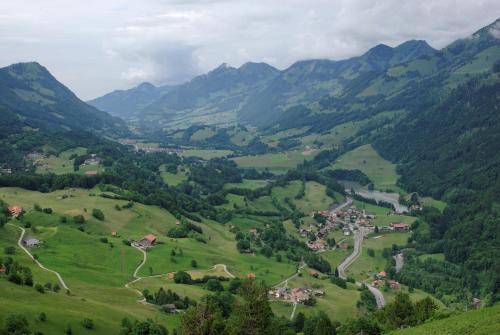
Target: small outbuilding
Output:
{"points": [[30, 241], [169, 308], [147, 241]]}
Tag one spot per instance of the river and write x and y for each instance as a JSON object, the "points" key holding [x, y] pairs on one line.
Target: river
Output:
{"points": [[363, 191]]}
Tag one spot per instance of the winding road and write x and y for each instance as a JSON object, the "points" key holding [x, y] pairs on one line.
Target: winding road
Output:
{"points": [[359, 235], [20, 244]]}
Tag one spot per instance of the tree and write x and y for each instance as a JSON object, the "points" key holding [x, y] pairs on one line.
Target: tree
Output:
{"points": [[214, 285], [79, 219], [253, 315], [98, 214], [42, 317], [424, 309], [68, 330], [87, 323], [370, 252], [182, 277], [10, 250], [399, 313], [298, 322], [319, 324], [267, 251], [39, 288], [16, 324], [194, 263], [234, 285], [203, 319]]}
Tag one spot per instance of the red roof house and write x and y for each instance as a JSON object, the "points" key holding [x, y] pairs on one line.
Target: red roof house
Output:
{"points": [[15, 210], [400, 226], [394, 284], [91, 173]]}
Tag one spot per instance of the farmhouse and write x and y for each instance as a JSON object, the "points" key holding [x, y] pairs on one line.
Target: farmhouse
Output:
{"points": [[14, 211], [394, 284], [253, 231], [169, 308], [251, 276], [91, 173], [399, 226], [147, 241], [30, 241], [300, 294]]}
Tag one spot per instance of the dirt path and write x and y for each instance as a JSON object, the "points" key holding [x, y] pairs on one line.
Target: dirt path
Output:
{"points": [[20, 244], [137, 278], [399, 262], [224, 267]]}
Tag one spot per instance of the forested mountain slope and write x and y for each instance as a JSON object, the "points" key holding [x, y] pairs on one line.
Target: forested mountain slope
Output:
{"points": [[32, 97], [127, 103]]}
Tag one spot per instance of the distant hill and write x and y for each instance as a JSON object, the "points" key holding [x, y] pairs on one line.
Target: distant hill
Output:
{"points": [[127, 103], [31, 96]]}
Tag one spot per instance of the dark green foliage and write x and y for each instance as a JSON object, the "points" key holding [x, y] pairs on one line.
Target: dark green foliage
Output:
{"points": [[42, 317], [298, 322], [98, 214], [319, 324], [338, 281], [16, 324], [182, 277], [10, 250], [87, 323], [367, 300], [39, 288], [148, 327], [214, 285], [363, 325], [79, 219]]}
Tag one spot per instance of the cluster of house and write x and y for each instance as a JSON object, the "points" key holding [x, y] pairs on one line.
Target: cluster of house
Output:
{"points": [[381, 279], [93, 160], [297, 294], [38, 159], [5, 170], [145, 242], [147, 149]]}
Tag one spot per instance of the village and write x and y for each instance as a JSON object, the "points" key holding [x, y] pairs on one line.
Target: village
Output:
{"points": [[346, 219]]}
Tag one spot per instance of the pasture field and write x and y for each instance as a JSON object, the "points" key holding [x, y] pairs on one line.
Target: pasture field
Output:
{"points": [[96, 270], [205, 153], [366, 159], [173, 179], [315, 197], [247, 183], [437, 257], [60, 164], [365, 266], [275, 162]]}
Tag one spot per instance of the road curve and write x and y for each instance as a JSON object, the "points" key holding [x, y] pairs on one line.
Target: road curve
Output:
{"points": [[20, 244], [137, 278], [358, 244]]}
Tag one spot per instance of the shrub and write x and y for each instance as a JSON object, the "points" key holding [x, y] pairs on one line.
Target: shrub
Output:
{"points": [[39, 288], [182, 277], [79, 219], [42, 317], [9, 250], [88, 323], [98, 214], [103, 240], [194, 263]]}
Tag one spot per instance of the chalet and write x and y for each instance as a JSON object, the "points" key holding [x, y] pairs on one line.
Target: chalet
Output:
{"points": [[394, 284], [251, 276], [15, 211], [2, 269], [169, 308], [147, 241], [30, 241], [300, 294], [170, 275], [385, 229], [381, 274], [114, 233], [93, 160], [399, 226], [91, 173], [253, 231], [378, 283]]}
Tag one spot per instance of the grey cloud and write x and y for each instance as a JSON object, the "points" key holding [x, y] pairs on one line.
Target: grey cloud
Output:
{"points": [[96, 46]]}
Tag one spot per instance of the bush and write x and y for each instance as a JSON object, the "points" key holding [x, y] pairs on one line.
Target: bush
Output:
{"points": [[47, 210], [15, 278], [39, 288], [98, 214], [194, 263], [214, 285], [42, 317], [88, 323], [16, 324], [182, 277], [79, 219], [103, 240], [9, 250], [370, 252]]}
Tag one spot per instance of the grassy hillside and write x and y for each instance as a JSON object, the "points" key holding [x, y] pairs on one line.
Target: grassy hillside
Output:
{"points": [[485, 321]]}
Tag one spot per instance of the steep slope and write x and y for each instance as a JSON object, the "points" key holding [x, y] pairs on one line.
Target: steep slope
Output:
{"points": [[305, 82], [127, 103], [38, 100], [213, 98]]}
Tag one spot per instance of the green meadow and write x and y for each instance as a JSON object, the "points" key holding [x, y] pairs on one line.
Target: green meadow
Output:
{"points": [[205, 153], [173, 179], [275, 162], [380, 171], [61, 163]]}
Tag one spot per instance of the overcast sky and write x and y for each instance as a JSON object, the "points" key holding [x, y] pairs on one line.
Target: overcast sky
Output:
{"points": [[95, 46]]}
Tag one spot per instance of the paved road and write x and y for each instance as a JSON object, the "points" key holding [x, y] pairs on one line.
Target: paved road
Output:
{"points": [[336, 208], [20, 244], [399, 262], [359, 235]]}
